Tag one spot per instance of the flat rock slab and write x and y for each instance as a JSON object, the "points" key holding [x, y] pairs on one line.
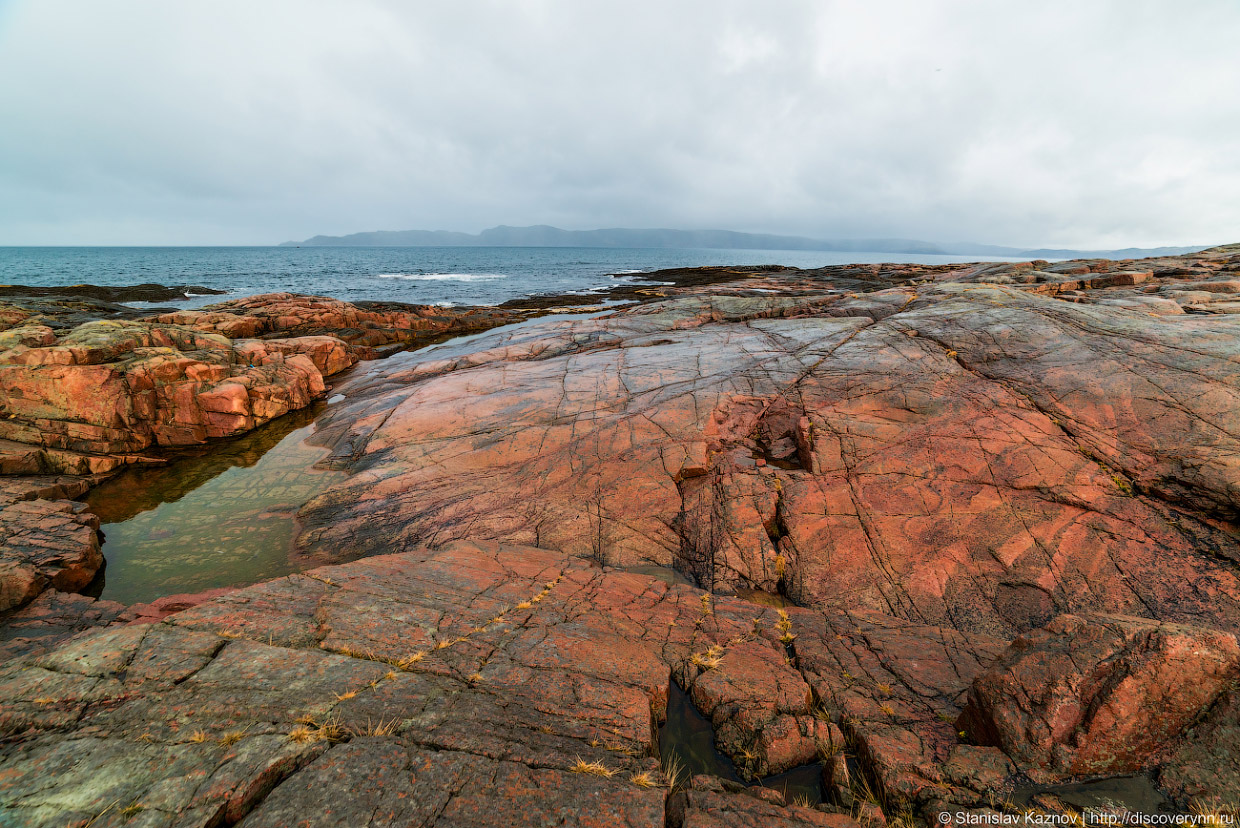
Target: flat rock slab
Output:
{"points": [[460, 686], [967, 455]]}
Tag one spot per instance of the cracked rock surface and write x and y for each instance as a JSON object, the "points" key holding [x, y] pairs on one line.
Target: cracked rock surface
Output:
{"points": [[458, 686], [978, 456], [957, 529]]}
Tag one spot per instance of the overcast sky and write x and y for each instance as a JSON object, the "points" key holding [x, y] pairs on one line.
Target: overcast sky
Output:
{"points": [[1086, 124]]}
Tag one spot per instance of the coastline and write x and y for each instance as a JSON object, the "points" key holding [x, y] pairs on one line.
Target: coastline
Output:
{"points": [[963, 483]]}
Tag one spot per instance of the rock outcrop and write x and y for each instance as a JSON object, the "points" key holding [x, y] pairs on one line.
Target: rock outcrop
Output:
{"points": [[46, 540], [111, 388], [366, 325], [979, 457], [87, 397], [472, 685], [117, 387], [1098, 695], [956, 528]]}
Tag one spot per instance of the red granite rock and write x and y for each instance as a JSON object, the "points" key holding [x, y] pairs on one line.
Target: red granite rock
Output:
{"points": [[911, 468], [1094, 695], [460, 686], [50, 619], [931, 461], [110, 388], [281, 315], [45, 544]]}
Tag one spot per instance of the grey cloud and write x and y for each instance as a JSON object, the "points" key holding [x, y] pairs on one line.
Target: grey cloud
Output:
{"points": [[1060, 123]]}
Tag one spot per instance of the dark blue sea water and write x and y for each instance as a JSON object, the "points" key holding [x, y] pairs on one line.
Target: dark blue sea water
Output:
{"points": [[424, 275]]}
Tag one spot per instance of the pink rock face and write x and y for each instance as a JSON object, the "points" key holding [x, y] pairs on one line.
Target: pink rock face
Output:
{"points": [[910, 470], [478, 675], [45, 544], [115, 388], [930, 461], [161, 608], [290, 315], [1093, 695]]}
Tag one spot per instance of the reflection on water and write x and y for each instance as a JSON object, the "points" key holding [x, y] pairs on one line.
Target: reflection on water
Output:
{"points": [[766, 599], [1131, 793], [664, 573], [689, 736], [217, 516]]}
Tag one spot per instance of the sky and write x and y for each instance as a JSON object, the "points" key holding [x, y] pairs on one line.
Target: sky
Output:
{"points": [[1083, 124]]}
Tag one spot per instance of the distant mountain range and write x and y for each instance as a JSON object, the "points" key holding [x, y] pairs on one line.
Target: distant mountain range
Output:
{"points": [[544, 236]]}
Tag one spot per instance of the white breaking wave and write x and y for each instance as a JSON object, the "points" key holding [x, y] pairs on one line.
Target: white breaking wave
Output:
{"points": [[444, 277]]}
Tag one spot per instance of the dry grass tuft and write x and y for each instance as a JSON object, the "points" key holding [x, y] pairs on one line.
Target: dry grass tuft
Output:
{"points": [[705, 661], [410, 660], [674, 773], [784, 625], [330, 731], [1214, 813], [231, 737], [301, 734], [198, 737], [379, 728], [593, 768], [645, 779], [131, 811]]}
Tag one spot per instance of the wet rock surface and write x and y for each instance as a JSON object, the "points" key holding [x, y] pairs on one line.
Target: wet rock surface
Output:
{"points": [[123, 293], [998, 500]]}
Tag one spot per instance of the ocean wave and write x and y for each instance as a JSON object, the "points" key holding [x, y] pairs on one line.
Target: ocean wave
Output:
{"points": [[444, 277]]}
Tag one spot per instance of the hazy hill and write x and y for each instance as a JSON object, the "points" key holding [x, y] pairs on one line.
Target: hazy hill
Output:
{"points": [[542, 235]]}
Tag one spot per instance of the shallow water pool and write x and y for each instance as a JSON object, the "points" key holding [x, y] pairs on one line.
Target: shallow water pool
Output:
{"points": [[223, 515]]}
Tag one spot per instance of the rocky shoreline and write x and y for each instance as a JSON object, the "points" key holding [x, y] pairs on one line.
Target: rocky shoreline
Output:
{"points": [[997, 504]]}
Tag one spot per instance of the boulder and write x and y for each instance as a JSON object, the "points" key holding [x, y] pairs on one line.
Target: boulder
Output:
{"points": [[45, 544], [1098, 694]]}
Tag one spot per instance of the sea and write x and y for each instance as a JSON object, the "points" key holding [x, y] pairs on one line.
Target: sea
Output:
{"points": [[444, 276]]}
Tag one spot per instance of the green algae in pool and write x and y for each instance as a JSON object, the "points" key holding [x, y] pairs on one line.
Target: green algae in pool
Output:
{"points": [[689, 737], [216, 516]]}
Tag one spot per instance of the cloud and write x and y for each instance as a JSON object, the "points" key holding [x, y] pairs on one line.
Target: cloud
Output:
{"points": [[1058, 123]]}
